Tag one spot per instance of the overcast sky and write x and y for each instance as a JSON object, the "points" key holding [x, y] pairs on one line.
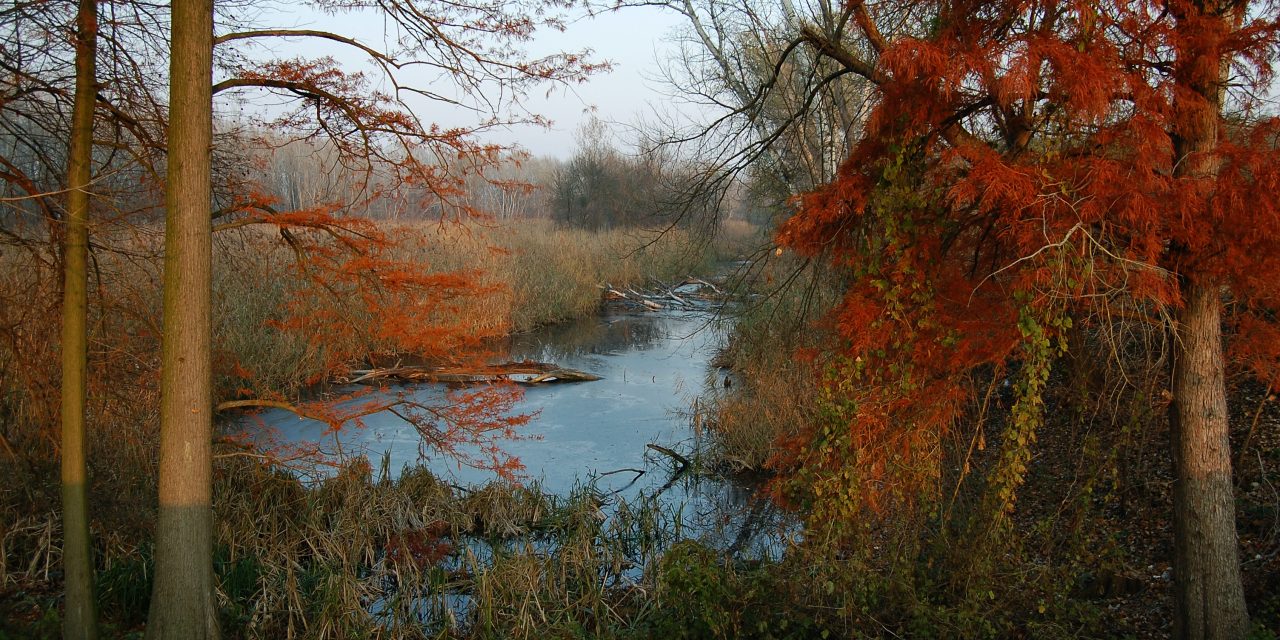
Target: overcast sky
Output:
{"points": [[634, 40]]}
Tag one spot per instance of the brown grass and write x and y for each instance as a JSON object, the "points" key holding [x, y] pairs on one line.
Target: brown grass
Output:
{"points": [[773, 394], [293, 561]]}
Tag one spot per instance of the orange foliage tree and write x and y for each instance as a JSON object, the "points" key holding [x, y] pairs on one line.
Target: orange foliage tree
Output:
{"points": [[1026, 159], [359, 293], [368, 295]]}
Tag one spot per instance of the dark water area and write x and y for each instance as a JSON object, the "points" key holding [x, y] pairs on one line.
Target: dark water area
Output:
{"points": [[653, 366]]}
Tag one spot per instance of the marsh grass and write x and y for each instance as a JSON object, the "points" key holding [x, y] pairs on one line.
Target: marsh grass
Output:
{"points": [[368, 555], [772, 393], [548, 273], [359, 554]]}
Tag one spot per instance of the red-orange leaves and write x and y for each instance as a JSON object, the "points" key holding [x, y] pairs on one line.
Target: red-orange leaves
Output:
{"points": [[1085, 78], [1030, 160], [358, 293], [825, 211], [995, 184], [1257, 347]]}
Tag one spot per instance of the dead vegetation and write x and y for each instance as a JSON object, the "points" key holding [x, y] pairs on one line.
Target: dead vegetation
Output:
{"points": [[526, 372], [355, 554]]}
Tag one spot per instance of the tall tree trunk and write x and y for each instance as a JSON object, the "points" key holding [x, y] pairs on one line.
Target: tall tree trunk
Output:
{"points": [[1209, 597], [182, 604], [78, 618]]}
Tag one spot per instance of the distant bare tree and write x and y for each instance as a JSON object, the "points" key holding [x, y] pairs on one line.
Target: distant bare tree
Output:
{"points": [[782, 116]]}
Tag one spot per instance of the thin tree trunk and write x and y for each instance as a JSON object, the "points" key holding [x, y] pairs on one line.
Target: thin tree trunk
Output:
{"points": [[1208, 594], [78, 619], [182, 604]]}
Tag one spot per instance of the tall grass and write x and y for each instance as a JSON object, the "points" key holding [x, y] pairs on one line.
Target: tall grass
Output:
{"points": [[533, 273], [773, 394], [549, 273], [346, 558], [365, 555]]}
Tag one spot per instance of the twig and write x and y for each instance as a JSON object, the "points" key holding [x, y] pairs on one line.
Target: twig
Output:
{"points": [[638, 472], [1248, 438], [681, 460], [7, 447]]}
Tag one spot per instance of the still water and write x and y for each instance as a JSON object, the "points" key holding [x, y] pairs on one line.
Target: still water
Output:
{"points": [[653, 367]]}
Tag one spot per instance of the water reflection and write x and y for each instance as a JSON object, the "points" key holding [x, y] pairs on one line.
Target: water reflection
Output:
{"points": [[653, 366], [610, 335]]}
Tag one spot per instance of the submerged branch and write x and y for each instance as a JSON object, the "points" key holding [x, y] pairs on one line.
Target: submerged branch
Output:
{"points": [[520, 372], [679, 459]]}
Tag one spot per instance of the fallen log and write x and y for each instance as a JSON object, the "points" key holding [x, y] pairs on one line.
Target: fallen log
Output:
{"points": [[631, 295], [561, 375], [663, 293], [520, 372], [700, 281]]}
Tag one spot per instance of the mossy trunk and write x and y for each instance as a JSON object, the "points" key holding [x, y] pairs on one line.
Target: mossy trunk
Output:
{"points": [[182, 603], [78, 619]]}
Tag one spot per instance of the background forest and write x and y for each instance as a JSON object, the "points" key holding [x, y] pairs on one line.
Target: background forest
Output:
{"points": [[1002, 279]]}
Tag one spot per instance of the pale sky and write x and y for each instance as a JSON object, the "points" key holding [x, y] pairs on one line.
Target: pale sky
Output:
{"points": [[634, 40]]}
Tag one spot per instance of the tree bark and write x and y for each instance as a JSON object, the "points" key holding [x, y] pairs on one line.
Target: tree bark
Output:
{"points": [[1208, 594], [182, 603], [1209, 597], [79, 619]]}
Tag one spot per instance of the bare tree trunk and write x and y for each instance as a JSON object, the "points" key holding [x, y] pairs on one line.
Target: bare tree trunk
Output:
{"points": [[78, 619], [182, 604], [1209, 597]]}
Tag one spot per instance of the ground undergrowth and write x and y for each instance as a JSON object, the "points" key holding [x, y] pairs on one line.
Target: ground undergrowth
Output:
{"points": [[373, 554], [1088, 546]]}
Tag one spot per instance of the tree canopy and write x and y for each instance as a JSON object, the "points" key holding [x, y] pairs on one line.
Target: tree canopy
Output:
{"points": [[1027, 164]]}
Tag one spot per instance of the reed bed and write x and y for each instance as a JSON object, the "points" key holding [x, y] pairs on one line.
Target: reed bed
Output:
{"points": [[772, 393], [548, 273], [357, 555], [365, 554]]}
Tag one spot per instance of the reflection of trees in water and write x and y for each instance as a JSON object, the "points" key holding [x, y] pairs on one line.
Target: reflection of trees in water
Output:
{"points": [[735, 516], [590, 336]]}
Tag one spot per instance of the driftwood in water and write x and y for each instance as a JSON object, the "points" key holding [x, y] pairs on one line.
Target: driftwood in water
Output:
{"points": [[664, 296], [702, 283], [522, 372], [679, 459], [630, 295]]}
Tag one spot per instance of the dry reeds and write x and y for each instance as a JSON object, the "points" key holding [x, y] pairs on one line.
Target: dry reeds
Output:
{"points": [[771, 394], [409, 557], [355, 556]]}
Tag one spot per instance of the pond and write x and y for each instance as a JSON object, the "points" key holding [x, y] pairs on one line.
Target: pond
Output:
{"points": [[654, 366]]}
